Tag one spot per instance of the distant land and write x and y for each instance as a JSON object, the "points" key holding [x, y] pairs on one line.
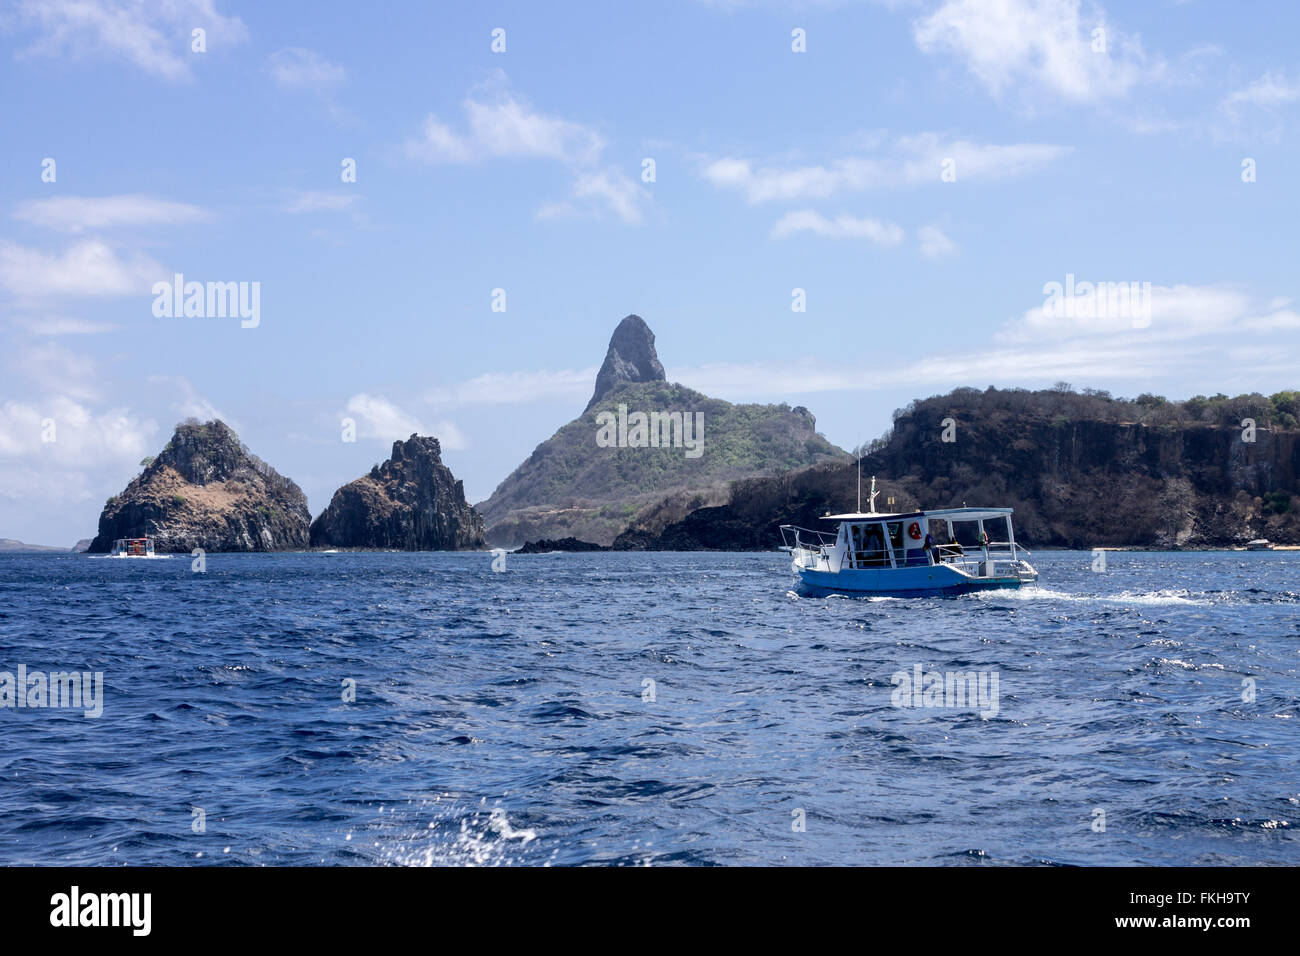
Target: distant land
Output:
{"points": [[1080, 468], [9, 544]]}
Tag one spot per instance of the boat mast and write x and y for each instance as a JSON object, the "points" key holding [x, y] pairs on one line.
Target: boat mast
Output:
{"points": [[859, 480]]}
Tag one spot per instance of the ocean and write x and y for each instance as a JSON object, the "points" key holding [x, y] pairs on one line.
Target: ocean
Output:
{"points": [[647, 709]]}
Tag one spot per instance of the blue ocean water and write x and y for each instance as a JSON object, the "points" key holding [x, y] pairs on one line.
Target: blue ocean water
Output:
{"points": [[509, 718]]}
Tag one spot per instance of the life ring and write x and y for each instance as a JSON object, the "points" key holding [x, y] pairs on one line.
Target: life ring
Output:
{"points": [[914, 532]]}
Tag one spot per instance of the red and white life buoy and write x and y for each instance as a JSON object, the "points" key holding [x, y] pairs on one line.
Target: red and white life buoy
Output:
{"points": [[914, 531]]}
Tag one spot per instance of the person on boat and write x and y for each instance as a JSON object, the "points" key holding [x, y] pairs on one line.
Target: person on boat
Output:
{"points": [[875, 547], [931, 548]]}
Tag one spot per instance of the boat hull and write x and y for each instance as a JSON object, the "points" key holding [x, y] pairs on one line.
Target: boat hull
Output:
{"points": [[929, 581]]}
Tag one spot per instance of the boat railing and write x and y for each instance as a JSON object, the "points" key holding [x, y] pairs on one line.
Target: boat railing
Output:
{"points": [[805, 539], [954, 550], [1003, 556]]}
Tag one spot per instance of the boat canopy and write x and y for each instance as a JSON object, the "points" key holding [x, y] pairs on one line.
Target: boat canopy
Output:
{"points": [[950, 514]]}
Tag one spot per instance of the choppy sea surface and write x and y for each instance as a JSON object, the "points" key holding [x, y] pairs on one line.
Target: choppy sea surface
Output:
{"points": [[648, 709]]}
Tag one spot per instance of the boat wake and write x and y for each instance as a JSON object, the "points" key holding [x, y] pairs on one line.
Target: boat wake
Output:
{"points": [[130, 557], [1168, 596]]}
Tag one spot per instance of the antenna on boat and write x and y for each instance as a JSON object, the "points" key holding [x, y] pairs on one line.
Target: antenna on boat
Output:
{"points": [[872, 496], [859, 479]]}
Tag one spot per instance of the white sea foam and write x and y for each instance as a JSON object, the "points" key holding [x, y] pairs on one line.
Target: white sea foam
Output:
{"points": [[476, 840], [1168, 596]]}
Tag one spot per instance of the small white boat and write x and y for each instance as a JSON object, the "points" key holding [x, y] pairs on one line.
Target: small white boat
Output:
{"points": [[898, 554], [133, 548]]}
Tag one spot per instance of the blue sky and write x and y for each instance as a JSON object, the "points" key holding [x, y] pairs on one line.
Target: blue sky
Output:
{"points": [[522, 170]]}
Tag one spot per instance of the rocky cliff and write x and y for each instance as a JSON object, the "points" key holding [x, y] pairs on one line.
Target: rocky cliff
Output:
{"points": [[1081, 471], [411, 502], [631, 357], [206, 490], [585, 483]]}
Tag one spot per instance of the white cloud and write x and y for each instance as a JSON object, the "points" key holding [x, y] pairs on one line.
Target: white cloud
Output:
{"points": [[49, 367], [762, 184], [1175, 313], [78, 213], [188, 403], [62, 325], [88, 268], [1039, 44], [499, 124], [842, 226], [1267, 92], [512, 388], [599, 191], [440, 144], [380, 419], [934, 243], [319, 201], [154, 36], [908, 160], [87, 443], [1206, 332], [295, 68]]}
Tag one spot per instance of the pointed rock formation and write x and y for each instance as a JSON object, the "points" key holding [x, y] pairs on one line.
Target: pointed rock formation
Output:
{"points": [[576, 484], [412, 502], [631, 357], [207, 490]]}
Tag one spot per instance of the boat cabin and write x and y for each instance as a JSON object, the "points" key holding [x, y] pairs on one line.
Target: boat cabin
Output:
{"points": [[921, 538], [133, 548]]}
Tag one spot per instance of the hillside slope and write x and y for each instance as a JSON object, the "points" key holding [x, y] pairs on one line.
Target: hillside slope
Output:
{"points": [[1081, 470]]}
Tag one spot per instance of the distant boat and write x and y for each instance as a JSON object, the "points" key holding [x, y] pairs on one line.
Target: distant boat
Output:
{"points": [[1259, 544], [134, 548], [896, 554]]}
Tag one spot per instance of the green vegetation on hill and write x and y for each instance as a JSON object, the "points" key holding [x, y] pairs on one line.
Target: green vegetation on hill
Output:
{"points": [[572, 486]]}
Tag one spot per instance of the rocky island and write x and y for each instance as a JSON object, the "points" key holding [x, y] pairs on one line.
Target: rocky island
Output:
{"points": [[575, 486], [411, 502], [1082, 470], [206, 490], [547, 546]]}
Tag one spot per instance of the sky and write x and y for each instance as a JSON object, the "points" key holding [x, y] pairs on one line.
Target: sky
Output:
{"points": [[844, 205]]}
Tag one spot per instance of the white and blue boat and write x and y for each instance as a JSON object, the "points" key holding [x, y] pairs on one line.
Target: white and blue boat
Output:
{"points": [[913, 553]]}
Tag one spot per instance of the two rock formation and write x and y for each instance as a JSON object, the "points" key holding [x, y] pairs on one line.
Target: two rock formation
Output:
{"points": [[207, 490]]}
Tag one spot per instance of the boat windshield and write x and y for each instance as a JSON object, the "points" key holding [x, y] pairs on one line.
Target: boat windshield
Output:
{"points": [[868, 546]]}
